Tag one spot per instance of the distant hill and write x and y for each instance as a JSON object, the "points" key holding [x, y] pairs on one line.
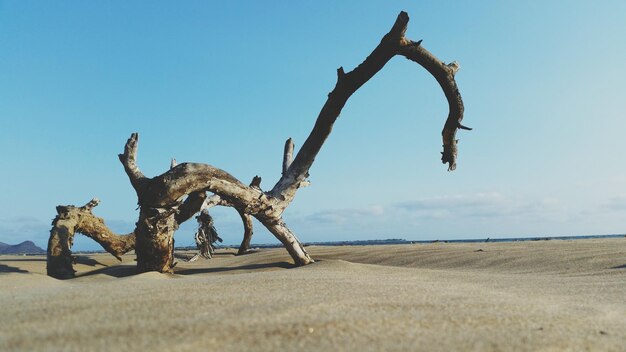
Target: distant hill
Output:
{"points": [[26, 247]]}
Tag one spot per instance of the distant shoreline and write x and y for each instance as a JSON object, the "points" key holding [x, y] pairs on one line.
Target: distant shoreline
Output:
{"points": [[396, 241], [403, 241]]}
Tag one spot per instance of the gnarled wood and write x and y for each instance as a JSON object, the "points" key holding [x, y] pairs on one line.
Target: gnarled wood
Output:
{"points": [[155, 239], [174, 196], [71, 219]]}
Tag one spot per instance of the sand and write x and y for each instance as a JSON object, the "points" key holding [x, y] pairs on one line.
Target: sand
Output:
{"points": [[522, 296]]}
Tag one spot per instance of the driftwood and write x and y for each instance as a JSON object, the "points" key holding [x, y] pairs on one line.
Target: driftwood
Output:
{"points": [[71, 219], [167, 200]]}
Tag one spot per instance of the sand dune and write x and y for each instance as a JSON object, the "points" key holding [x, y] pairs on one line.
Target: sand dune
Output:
{"points": [[546, 296]]}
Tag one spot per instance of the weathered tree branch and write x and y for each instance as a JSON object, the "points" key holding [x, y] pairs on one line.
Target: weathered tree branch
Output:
{"points": [[393, 43], [280, 230], [190, 206], [214, 200], [288, 155], [256, 182], [444, 74], [246, 220], [247, 232], [71, 219], [188, 178], [129, 160], [169, 199]]}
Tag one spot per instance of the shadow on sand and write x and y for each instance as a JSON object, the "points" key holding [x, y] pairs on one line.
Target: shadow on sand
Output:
{"points": [[87, 261], [278, 265], [23, 260], [130, 270], [187, 256], [114, 271], [4, 269]]}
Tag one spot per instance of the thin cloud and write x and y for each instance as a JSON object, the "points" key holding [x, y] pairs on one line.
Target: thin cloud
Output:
{"points": [[339, 216], [453, 202], [616, 203], [473, 206], [480, 205]]}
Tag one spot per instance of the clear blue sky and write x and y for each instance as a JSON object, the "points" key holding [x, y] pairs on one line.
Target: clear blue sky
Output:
{"points": [[225, 83]]}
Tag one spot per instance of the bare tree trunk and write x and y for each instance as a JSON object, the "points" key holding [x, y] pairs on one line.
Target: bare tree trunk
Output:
{"points": [[173, 197], [155, 240], [71, 219]]}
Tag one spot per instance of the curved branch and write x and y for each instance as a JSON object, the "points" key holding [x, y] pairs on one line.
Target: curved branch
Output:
{"points": [[184, 179], [444, 74], [71, 219], [187, 178], [393, 43], [246, 219]]}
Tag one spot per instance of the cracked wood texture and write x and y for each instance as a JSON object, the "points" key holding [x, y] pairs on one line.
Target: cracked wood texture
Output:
{"points": [[167, 200]]}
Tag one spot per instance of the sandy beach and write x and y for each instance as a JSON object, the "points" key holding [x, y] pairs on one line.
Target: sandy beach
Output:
{"points": [[520, 296]]}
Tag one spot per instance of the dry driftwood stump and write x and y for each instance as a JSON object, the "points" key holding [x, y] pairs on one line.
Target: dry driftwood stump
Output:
{"points": [[169, 199]]}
